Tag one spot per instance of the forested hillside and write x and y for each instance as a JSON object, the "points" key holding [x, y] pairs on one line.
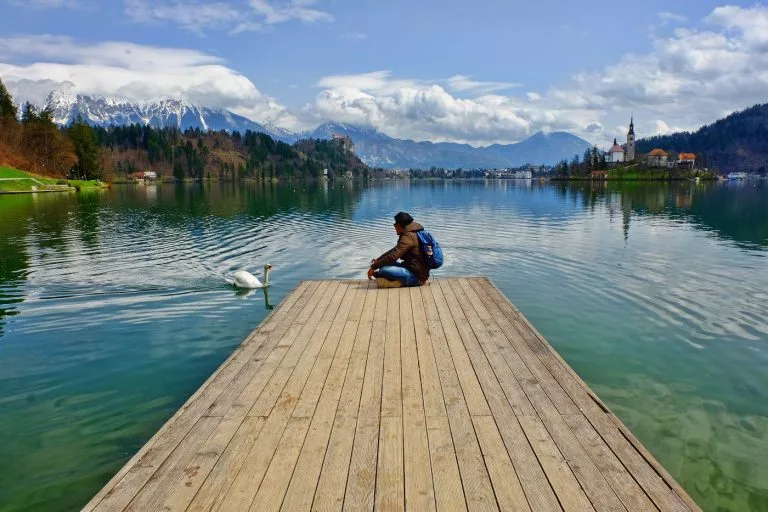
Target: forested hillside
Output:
{"points": [[219, 155], [34, 143], [738, 142]]}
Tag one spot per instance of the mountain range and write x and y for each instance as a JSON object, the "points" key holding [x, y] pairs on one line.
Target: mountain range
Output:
{"points": [[373, 147]]}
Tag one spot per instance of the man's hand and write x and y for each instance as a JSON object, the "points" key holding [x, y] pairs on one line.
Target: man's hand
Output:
{"points": [[373, 261], [370, 273]]}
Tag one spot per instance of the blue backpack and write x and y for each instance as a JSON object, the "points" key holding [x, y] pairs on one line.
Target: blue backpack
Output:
{"points": [[430, 250]]}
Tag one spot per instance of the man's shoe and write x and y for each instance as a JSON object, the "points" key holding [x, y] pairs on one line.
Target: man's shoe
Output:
{"points": [[387, 283]]}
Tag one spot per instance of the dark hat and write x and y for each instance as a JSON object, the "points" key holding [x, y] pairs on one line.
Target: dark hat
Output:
{"points": [[403, 219]]}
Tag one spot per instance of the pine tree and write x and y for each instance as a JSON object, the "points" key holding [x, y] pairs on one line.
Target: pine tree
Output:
{"points": [[28, 114], [8, 109], [86, 148]]}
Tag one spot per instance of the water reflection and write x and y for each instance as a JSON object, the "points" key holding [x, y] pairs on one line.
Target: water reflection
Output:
{"points": [[242, 292], [114, 307]]}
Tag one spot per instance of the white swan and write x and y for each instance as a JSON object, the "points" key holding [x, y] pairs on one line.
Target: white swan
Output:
{"points": [[248, 281]]}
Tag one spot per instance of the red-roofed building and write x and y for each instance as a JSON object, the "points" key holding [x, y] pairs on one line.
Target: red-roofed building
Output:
{"points": [[686, 160], [658, 158]]}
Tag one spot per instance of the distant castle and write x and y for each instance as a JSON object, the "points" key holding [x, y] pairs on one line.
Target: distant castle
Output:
{"points": [[345, 141], [626, 152]]}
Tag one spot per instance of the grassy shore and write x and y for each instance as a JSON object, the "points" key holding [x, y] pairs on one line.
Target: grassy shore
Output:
{"points": [[643, 173], [15, 181]]}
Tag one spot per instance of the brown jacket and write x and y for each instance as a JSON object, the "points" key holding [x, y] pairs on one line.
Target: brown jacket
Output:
{"points": [[407, 249]]}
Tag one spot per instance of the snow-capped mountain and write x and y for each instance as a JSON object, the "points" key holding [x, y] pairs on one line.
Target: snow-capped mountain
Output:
{"points": [[373, 147], [106, 111]]}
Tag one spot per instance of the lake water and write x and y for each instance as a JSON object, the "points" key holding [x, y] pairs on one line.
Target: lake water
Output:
{"points": [[114, 308]]}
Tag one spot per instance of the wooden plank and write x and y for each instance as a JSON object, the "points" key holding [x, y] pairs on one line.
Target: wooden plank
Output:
{"points": [[197, 471], [419, 493], [272, 488], [434, 398], [475, 480], [521, 350], [449, 493], [321, 364], [596, 487], [642, 468], [506, 378], [303, 482], [211, 494], [592, 481], [529, 469], [332, 483], [470, 385], [180, 492], [450, 386], [254, 389], [631, 494], [391, 398], [506, 484], [329, 494], [246, 484], [151, 494], [301, 350], [430, 379], [361, 483], [559, 474], [636, 444], [478, 489], [131, 478], [389, 474], [268, 340]]}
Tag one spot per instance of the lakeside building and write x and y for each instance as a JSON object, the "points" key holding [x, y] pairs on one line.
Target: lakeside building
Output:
{"points": [[616, 154], [621, 153], [658, 158], [630, 153], [686, 160]]}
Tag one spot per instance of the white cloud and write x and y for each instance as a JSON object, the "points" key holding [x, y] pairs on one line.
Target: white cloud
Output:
{"points": [[236, 18], [275, 12], [461, 83], [194, 16], [134, 72], [671, 17], [50, 4], [751, 24], [689, 78], [425, 110], [533, 96]]}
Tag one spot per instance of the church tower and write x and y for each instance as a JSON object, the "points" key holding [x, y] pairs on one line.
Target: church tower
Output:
{"points": [[631, 140]]}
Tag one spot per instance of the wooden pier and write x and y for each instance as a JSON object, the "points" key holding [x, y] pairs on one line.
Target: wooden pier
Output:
{"points": [[347, 397]]}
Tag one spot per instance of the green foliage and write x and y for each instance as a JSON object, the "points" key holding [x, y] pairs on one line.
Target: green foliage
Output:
{"points": [[199, 155], [738, 142], [86, 148], [7, 106]]}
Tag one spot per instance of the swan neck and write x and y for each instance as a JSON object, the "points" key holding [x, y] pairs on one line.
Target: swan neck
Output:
{"points": [[266, 276]]}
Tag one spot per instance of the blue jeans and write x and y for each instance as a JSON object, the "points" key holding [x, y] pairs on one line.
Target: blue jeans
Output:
{"points": [[398, 272]]}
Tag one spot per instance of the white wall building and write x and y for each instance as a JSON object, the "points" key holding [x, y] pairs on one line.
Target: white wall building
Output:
{"points": [[615, 154]]}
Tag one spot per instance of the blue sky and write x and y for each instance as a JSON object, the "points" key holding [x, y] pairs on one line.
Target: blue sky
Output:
{"points": [[478, 72]]}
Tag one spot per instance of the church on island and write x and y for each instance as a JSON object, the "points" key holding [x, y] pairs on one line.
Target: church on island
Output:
{"points": [[623, 153]]}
